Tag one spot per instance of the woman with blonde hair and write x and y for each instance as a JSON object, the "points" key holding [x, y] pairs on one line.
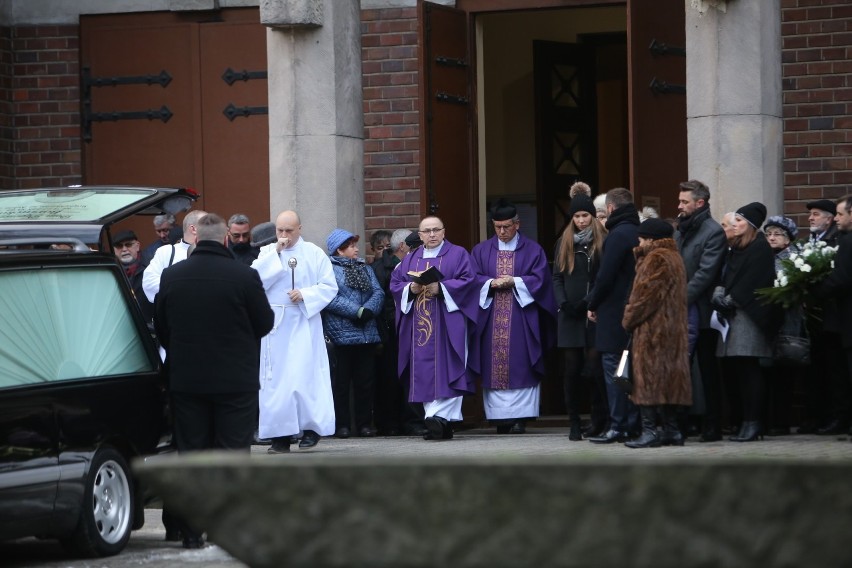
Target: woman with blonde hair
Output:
{"points": [[576, 260]]}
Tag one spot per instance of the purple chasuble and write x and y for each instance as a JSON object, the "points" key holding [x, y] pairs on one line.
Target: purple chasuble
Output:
{"points": [[511, 341], [433, 341]]}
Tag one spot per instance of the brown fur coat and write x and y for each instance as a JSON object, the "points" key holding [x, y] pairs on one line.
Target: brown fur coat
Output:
{"points": [[656, 315]]}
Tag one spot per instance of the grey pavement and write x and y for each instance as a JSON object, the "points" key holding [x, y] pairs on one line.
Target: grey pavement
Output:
{"points": [[147, 547]]}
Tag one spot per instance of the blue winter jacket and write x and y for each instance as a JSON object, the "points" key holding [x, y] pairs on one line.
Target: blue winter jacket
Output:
{"points": [[340, 317]]}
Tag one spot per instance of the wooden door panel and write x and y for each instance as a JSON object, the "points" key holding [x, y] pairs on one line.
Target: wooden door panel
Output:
{"points": [[140, 151], [236, 152], [658, 151], [226, 161], [447, 187]]}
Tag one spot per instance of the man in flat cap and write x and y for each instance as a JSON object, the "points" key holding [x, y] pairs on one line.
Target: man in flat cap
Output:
{"points": [[126, 247], [821, 221], [517, 321], [829, 396]]}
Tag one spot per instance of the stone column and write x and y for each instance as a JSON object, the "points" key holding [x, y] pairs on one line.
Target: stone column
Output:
{"points": [[733, 105], [316, 158]]}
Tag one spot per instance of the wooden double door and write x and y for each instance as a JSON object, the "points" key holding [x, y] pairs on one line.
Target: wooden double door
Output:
{"points": [[178, 100]]}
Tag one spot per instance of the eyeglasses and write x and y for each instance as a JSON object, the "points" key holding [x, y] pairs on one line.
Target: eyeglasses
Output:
{"points": [[129, 245], [241, 236], [432, 231]]}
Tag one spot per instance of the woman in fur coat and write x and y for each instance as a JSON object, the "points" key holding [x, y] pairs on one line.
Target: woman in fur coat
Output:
{"points": [[656, 316]]}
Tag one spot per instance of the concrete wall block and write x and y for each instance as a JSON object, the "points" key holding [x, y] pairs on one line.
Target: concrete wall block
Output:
{"points": [[321, 178], [291, 13], [739, 158]]}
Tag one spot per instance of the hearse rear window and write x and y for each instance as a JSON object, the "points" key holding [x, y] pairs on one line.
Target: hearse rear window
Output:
{"points": [[64, 323], [67, 205]]}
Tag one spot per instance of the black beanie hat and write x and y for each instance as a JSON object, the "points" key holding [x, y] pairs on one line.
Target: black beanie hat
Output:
{"points": [[503, 211], [654, 228], [754, 213], [581, 202]]}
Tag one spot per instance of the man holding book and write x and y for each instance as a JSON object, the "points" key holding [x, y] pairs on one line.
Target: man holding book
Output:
{"points": [[435, 297], [516, 324]]}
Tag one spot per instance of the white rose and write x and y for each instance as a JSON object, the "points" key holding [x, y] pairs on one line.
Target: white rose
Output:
{"points": [[799, 262], [783, 281], [805, 268]]}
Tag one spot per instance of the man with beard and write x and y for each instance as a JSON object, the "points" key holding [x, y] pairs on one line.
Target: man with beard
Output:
{"points": [[239, 239], [702, 244], [126, 247]]}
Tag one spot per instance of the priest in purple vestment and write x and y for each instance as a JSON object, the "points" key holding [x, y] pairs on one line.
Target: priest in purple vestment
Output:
{"points": [[516, 324], [434, 322]]}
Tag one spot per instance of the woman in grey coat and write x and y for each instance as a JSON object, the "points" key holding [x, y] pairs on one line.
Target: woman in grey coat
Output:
{"points": [[577, 255], [750, 265]]}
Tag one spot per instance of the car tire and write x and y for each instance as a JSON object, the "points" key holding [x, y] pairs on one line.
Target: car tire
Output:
{"points": [[106, 516]]}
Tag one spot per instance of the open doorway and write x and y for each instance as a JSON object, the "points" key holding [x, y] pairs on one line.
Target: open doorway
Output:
{"points": [[552, 109]]}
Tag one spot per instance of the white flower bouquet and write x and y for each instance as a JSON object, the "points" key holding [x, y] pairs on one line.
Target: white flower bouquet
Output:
{"points": [[807, 266]]}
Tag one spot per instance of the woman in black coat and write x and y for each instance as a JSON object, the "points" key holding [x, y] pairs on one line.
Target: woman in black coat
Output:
{"points": [[750, 265], [577, 255]]}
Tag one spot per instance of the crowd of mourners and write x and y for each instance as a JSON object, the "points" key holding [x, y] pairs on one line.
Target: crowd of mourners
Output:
{"points": [[680, 293]]}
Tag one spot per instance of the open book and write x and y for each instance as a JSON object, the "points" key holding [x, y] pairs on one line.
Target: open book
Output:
{"points": [[423, 277]]}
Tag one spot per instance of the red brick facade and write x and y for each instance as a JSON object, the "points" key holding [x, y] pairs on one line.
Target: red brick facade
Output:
{"points": [[391, 128], [817, 79], [40, 78]]}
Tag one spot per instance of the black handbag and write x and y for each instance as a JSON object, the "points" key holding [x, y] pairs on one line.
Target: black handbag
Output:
{"points": [[792, 345], [792, 350], [621, 378]]}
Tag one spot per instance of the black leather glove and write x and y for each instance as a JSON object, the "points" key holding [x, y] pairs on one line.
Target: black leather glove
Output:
{"points": [[723, 303], [565, 307], [581, 309], [366, 315]]}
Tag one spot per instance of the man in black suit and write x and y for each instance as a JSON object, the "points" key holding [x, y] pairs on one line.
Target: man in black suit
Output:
{"points": [[211, 313], [838, 284]]}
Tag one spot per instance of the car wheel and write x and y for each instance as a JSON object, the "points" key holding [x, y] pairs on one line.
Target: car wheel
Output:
{"points": [[106, 516]]}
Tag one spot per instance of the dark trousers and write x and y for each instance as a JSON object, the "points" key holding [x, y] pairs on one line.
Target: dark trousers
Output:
{"points": [[623, 414], [819, 406], [208, 421], [355, 370], [583, 373], [708, 366], [391, 411], [747, 374]]}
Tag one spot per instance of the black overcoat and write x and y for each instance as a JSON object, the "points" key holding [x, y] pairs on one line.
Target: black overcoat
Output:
{"points": [[211, 313]]}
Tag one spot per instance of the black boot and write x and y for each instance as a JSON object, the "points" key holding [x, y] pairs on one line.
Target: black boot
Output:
{"points": [[575, 434], [649, 438], [280, 445], [672, 436], [750, 431]]}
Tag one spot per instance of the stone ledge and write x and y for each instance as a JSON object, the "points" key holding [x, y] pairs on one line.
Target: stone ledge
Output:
{"points": [[510, 511]]}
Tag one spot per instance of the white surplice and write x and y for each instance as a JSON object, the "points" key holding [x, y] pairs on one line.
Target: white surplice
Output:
{"points": [[295, 384]]}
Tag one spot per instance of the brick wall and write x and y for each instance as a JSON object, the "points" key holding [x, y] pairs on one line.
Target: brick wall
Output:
{"points": [[817, 83], [391, 129], [6, 130], [45, 106]]}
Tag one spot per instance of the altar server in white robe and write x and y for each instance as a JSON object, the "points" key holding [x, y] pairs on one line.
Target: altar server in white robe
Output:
{"points": [[295, 383]]}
